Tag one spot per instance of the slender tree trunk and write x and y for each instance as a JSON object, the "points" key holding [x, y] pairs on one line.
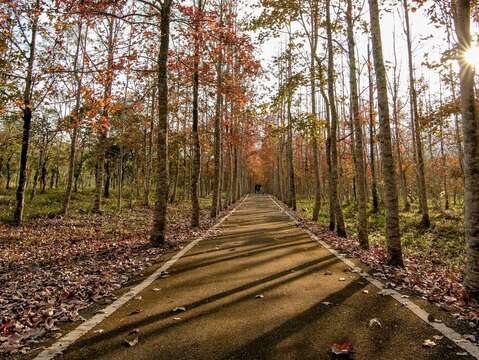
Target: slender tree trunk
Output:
{"points": [[196, 165], [27, 122], [470, 120], [396, 111], [149, 154], [177, 169], [332, 217], [216, 199], [315, 148], [158, 234], [103, 127], [393, 239], [43, 175], [71, 167], [372, 135], [340, 228], [425, 222], [9, 174], [358, 132], [120, 179]]}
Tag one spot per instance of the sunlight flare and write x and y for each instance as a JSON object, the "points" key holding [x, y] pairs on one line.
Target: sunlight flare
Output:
{"points": [[471, 56]]}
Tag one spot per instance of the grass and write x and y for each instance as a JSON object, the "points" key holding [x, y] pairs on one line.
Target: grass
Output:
{"points": [[444, 241], [49, 204]]}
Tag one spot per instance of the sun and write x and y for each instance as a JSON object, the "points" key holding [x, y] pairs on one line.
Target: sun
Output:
{"points": [[471, 56]]}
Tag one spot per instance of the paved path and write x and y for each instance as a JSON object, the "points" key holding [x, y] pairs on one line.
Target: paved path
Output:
{"points": [[260, 252]]}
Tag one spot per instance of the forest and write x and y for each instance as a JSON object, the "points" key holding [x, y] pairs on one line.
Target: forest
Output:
{"points": [[130, 128]]}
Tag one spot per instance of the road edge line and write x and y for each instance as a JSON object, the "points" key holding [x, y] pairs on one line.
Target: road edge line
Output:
{"points": [[422, 314], [58, 347]]}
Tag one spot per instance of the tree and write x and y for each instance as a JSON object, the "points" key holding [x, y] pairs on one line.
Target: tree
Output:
{"points": [[358, 133], [393, 239], [216, 199], [35, 13], [75, 117], [340, 228], [470, 120], [158, 234], [416, 128]]}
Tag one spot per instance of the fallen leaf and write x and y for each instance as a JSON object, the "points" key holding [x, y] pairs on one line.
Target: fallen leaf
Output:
{"points": [[375, 323], [344, 350], [132, 342], [428, 343]]}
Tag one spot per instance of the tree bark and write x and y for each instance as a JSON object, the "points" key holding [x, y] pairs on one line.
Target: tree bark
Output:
{"points": [[196, 160], [470, 120], [421, 177], [27, 121], [393, 239], [103, 130], [76, 123], [340, 228], [216, 199], [372, 135], [158, 233], [358, 138]]}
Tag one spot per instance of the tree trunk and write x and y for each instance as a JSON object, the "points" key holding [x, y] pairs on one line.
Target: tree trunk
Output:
{"points": [[103, 127], [396, 110], [315, 149], [27, 122], [340, 228], [196, 160], [358, 132], [149, 152], [216, 199], [76, 123], [372, 135], [393, 239], [158, 234], [421, 177], [470, 120]]}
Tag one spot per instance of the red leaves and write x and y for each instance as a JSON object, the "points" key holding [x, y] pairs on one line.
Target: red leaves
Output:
{"points": [[51, 269], [425, 276]]}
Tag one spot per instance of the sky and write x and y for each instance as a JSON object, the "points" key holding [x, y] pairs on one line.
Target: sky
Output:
{"points": [[427, 39]]}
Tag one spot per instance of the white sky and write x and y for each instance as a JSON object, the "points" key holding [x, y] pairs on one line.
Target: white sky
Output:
{"points": [[427, 39]]}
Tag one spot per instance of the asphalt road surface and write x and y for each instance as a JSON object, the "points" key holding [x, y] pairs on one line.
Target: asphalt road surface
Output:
{"points": [[261, 289]]}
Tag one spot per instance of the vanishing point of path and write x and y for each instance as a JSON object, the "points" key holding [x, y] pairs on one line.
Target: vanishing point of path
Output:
{"points": [[261, 289]]}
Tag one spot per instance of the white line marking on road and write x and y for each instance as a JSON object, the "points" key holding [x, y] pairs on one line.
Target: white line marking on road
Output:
{"points": [[63, 343], [415, 309]]}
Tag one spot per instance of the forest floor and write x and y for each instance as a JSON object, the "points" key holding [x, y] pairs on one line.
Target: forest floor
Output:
{"points": [[52, 268], [434, 257], [261, 288]]}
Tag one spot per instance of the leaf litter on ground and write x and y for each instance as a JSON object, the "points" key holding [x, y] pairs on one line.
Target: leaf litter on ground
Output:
{"points": [[426, 276], [53, 268]]}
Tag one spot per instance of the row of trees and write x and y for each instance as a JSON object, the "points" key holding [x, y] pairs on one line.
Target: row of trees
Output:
{"points": [[324, 135], [122, 95]]}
